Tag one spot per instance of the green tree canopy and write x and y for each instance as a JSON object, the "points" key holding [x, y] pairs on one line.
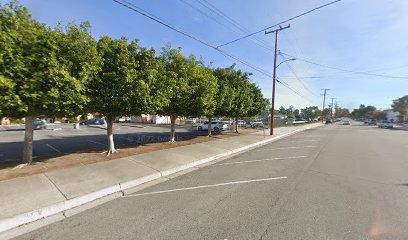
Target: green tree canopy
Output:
{"points": [[401, 105], [43, 73]]}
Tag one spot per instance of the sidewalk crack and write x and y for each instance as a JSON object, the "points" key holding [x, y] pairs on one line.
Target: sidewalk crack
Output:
{"points": [[55, 185]]}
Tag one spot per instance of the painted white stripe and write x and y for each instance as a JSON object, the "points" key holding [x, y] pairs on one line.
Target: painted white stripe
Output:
{"points": [[53, 148], [206, 186], [303, 141], [270, 149], [97, 143], [259, 160]]}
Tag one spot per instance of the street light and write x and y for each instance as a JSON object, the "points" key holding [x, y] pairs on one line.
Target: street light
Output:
{"points": [[273, 89], [287, 60]]}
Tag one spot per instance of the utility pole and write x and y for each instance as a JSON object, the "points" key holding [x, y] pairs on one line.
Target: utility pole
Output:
{"points": [[324, 101], [332, 106], [274, 74]]}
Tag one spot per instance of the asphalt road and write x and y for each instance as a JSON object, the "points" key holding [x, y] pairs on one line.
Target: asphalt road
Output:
{"points": [[333, 182], [60, 139]]}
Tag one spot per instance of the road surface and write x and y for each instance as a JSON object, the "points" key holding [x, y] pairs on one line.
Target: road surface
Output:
{"points": [[333, 182]]}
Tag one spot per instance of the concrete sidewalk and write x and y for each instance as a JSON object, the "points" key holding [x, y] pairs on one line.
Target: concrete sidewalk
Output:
{"points": [[27, 199]]}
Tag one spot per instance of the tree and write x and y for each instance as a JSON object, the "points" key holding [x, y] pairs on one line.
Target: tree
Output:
{"points": [[341, 112], [311, 113], [282, 110], [9, 101], [192, 87], [260, 105], [125, 83], [205, 85], [362, 111], [401, 105], [42, 73], [377, 114]]}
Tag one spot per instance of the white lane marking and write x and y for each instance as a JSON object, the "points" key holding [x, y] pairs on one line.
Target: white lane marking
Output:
{"points": [[53, 148], [303, 141], [270, 149], [97, 143], [260, 160], [207, 186]]}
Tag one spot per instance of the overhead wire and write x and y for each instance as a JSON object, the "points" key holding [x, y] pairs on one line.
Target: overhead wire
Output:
{"points": [[298, 79], [242, 29], [143, 12], [345, 70], [282, 22]]}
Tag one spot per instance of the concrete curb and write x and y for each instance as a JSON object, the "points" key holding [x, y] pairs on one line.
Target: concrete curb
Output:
{"points": [[25, 218]]}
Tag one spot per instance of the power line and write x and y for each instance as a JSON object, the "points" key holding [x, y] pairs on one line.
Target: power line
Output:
{"points": [[299, 80], [208, 16], [235, 23], [285, 21], [226, 54], [231, 21], [345, 70]]}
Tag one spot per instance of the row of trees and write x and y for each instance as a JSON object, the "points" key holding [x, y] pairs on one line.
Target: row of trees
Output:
{"points": [[398, 105], [312, 112], [56, 72]]}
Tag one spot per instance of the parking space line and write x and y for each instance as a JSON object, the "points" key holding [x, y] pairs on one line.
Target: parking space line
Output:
{"points": [[53, 148], [303, 141], [207, 186], [260, 160], [270, 149], [97, 143]]}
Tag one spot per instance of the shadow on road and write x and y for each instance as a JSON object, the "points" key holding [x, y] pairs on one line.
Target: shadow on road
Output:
{"points": [[44, 149]]}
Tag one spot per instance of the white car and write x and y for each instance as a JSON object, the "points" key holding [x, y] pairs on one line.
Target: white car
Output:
{"points": [[256, 124], [346, 122], [215, 126]]}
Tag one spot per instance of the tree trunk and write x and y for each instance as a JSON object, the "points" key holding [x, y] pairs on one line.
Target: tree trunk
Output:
{"points": [[173, 128], [236, 125], [209, 126], [109, 129], [28, 139]]}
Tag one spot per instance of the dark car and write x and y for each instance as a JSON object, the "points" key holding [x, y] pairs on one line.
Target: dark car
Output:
{"points": [[329, 121], [95, 121], [372, 122]]}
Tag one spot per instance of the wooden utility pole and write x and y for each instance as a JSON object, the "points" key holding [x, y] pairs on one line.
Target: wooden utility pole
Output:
{"points": [[324, 102], [274, 74]]}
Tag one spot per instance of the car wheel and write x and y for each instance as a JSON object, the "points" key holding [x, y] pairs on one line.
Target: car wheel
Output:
{"points": [[200, 128], [216, 129]]}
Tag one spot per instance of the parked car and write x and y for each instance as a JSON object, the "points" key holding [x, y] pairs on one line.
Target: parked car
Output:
{"points": [[94, 121], [215, 126], [372, 122], [299, 120], [40, 124], [346, 122], [329, 121], [241, 123], [385, 124], [255, 124]]}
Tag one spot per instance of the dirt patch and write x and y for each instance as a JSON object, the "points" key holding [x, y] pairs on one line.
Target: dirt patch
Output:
{"points": [[43, 165]]}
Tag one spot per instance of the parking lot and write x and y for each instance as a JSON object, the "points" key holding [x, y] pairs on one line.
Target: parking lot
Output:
{"points": [[59, 139]]}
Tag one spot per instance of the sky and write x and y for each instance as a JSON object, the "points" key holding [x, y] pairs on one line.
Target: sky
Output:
{"points": [[341, 43]]}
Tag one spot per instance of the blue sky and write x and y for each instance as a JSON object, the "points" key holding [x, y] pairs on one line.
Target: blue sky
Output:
{"points": [[358, 35]]}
